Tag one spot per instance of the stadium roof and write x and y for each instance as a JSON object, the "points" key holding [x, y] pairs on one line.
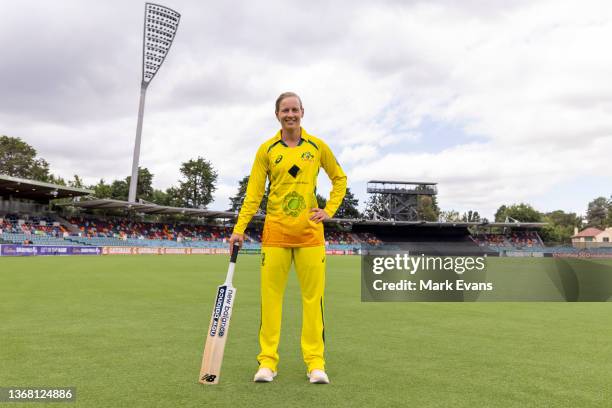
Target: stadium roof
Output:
{"points": [[444, 224], [150, 208], [37, 190], [401, 182]]}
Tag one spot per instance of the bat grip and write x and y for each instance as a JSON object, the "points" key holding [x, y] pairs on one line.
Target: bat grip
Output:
{"points": [[235, 251]]}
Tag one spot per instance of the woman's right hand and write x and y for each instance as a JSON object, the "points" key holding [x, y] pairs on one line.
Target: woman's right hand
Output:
{"points": [[236, 239]]}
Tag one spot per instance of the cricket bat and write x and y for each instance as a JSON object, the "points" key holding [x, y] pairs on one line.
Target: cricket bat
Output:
{"points": [[219, 326]]}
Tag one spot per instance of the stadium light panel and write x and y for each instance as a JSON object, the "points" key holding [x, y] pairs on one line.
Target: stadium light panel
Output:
{"points": [[160, 22], [160, 26]]}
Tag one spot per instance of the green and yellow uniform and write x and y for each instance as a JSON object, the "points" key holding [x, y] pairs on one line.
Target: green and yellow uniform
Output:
{"points": [[289, 234]]}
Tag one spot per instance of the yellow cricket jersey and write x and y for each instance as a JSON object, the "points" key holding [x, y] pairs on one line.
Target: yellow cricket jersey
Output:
{"points": [[292, 172]]}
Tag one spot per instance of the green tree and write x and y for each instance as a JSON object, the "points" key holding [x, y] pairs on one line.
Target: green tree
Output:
{"points": [[174, 197], [348, 208], [198, 183], [450, 216], [521, 212], [55, 180], [471, 216], [119, 190], [559, 227], [609, 218], [76, 182], [102, 190], [236, 201], [376, 208], [427, 204], [559, 217], [598, 212], [169, 198], [144, 186], [426, 209], [18, 159], [500, 214], [159, 197], [321, 201], [434, 205]]}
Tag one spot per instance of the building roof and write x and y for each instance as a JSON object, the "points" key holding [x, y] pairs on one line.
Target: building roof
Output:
{"points": [[402, 182], [146, 208], [589, 232], [150, 208], [37, 190]]}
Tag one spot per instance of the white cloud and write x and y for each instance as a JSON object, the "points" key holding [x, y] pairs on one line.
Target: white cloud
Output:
{"points": [[530, 78], [351, 155], [484, 176]]}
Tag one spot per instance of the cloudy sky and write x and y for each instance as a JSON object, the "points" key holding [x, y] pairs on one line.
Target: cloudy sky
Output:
{"points": [[498, 102]]}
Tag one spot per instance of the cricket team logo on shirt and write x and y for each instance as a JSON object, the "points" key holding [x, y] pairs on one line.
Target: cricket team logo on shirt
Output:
{"points": [[293, 204], [307, 156]]}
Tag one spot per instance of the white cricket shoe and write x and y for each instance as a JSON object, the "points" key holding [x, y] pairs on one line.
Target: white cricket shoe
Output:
{"points": [[317, 376], [264, 375]]}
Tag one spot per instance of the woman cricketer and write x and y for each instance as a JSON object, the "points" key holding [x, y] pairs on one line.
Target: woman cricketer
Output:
{"points": [[292, 232]]}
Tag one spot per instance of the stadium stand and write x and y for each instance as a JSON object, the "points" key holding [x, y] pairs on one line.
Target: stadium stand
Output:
{"points": [[117, 231], [435, 240], [339, 238], [90, 230], [39, 230], [368, 238], [125, 229], [25, 217], [515, 240]]}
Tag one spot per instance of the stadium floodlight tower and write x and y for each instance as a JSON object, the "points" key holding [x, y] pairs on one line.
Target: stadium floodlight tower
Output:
{"points": [[160, 25]]}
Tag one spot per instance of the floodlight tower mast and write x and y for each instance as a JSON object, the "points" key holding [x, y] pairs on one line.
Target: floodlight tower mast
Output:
{"points": [[160, 25]]}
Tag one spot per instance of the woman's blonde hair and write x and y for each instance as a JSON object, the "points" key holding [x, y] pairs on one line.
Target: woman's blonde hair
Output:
{"points": [[287, 95]]}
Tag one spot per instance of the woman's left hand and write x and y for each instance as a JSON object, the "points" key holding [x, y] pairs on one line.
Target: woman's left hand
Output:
{"points": [[318, 215]]}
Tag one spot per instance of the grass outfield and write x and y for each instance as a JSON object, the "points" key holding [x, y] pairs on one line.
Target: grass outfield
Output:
{"points": [[129, 331]]}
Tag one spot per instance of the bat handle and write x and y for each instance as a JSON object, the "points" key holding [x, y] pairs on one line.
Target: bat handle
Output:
{"points": [[235, 251], [232, 265]]}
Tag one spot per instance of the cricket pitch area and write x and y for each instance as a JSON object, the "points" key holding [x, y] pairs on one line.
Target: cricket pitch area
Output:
{"points": [[129, 331]]}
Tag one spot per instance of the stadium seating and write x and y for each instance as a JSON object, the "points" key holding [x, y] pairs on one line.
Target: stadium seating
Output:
{"points": [[32, 229], [439, 241], [122, 232], [123, 229], [339, 238], [116, 231], [368, 238], [516, 240]]}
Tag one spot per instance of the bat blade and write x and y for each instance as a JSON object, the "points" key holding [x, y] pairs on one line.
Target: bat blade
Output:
{"points": [[218, 329]]}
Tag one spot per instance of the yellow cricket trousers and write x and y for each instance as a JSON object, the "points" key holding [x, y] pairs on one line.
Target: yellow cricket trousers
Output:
{"points": [[310, 268]]}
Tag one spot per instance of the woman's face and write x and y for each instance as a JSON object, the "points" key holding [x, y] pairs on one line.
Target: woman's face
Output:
{"points": [[290, 113]]}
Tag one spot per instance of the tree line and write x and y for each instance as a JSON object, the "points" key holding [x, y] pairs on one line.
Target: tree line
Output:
{"points": [[348, 208], [560, 225], [195, 187], [198, 182]]}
